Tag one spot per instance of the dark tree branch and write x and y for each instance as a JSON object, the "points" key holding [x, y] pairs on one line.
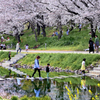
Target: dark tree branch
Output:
{"points": [[70, 11], [48, 9], [77, 6], [90, 2], [84, 3]]}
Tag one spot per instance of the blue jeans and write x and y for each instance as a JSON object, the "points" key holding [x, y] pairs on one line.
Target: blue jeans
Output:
{"points": [[18, 50], [47, 74]]}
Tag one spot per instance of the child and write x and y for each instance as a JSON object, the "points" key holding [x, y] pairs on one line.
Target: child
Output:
{"points": [[83, 66], [47, 70], [26, 47], [9, 56]]}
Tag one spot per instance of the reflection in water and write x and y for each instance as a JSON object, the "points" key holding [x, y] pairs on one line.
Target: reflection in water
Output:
{"points": [[18, 81], [37, 88], [83, 83], [75, 88]]}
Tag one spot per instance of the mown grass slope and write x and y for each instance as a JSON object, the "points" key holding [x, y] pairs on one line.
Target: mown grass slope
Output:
{"points": [[65, 61]]}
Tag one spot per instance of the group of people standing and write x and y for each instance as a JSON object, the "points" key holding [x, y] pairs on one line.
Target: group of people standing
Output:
{"points": [[94, 45]]}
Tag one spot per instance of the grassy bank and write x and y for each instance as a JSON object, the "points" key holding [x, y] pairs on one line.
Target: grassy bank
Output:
{"points": [[5, 72], [4, 55], [74, 41], [65, 61], [43, 73]]}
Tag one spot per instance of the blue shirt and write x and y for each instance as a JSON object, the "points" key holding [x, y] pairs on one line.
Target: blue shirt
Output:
{"points": [[56, 33], [36, 64]]}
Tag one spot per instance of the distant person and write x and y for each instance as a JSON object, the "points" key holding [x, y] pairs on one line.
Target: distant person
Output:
{"points": [[9, 56], [36, 67], [91, 46], [83, 66], [47, 70], [80, 26], [4, 47], [56, 33], [8, 39], [2, 39], [67, 31], [1, 46], [26, 47], [53, 34], [96, 44], [18, 47]]}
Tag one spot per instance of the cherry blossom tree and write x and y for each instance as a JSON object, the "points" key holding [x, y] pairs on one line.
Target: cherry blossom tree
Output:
{"points": [[79, 10]]}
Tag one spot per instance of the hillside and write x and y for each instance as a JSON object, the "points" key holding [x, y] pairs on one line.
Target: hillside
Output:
{"points": [[74, 41]]}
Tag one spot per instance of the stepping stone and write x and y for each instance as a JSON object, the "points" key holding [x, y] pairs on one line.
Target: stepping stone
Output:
{"points": [[20, 78], [1, 79], [10, 78]]}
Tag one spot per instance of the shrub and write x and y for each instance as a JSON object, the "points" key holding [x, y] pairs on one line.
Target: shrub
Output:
{"points": [[14, 98]]}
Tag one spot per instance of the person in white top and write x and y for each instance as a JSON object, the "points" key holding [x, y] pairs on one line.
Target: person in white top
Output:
{"points": [[18, 47], [26, 47]]}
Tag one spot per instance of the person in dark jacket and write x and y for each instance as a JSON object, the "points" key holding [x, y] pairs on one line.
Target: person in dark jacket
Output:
{"points": [[9, 56], [91, 47], [47, 70]]}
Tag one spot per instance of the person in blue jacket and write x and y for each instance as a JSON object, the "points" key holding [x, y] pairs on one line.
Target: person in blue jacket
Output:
{"points": [[36, 67]]}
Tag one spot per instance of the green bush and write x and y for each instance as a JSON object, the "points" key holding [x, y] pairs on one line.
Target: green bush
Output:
{"points": [[14, 98]]}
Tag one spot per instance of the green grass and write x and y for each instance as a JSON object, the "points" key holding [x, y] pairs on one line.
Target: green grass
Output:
{"points": [[43, 73], [5, 72], [64, 61], [28, 98], [74, 41], [4, 55]]}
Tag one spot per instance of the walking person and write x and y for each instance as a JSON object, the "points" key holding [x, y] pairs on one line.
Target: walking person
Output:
{"points": [[80, 26], [83, 67], [96, 44], [18, 47], [67, 31], [26, 47], [37, 67], [91, 47], [47, 70], [9, 56]]}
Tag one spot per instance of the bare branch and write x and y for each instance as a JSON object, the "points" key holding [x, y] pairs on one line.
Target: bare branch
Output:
{"points": [[70, 11], [84, 3]]}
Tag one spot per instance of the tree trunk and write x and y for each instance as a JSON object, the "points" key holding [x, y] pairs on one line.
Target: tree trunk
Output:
{"points": [[35, 34], [59, 26], [38, 29], [43, 30], [17, 37], [93, 30], [60, 32], [28, 26]]}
